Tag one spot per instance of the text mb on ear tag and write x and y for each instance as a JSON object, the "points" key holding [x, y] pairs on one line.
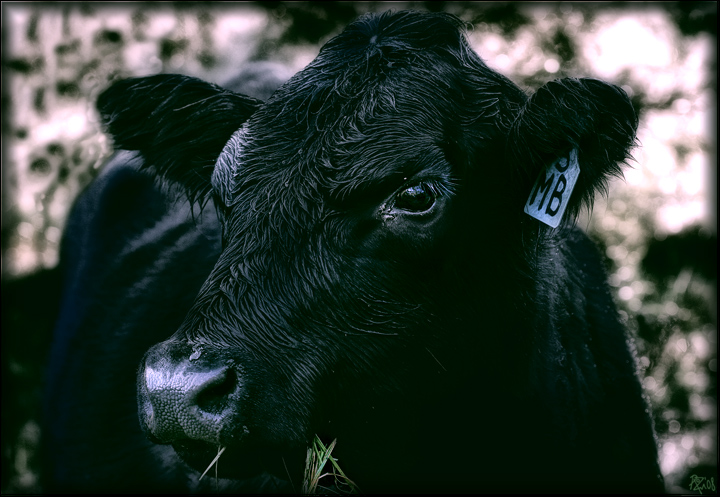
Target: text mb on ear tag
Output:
{"points": [[552, 190]]}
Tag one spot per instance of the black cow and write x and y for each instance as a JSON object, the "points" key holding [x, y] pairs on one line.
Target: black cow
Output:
{"points": [[362, 270]]}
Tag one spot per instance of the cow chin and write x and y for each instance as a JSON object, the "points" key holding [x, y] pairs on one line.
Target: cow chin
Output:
{"points": [[242, 464]]}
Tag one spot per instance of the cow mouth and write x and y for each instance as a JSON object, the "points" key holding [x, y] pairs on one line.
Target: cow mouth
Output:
{"points": [[242, 464]]}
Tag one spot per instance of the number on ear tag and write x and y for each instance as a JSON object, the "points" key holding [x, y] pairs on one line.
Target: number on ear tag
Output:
{"points": [[552, 190]]}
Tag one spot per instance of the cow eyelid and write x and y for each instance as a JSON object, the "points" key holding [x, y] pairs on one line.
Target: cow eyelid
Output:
{"points": [[438, 186], [420, 195]]}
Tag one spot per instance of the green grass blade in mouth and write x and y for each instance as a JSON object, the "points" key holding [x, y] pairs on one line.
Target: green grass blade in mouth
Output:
{"points": [[318, 455]]}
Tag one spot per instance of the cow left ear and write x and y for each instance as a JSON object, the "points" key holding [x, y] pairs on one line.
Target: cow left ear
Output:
{"points": [[178, 123], [570, 124]]}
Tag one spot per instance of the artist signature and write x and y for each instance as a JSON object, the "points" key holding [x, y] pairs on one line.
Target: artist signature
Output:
{"points": [[700, 483]]}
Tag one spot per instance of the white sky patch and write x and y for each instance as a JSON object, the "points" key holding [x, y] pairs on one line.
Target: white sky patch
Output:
{"points": [[552, 66], [675, 216], [628, 42]]}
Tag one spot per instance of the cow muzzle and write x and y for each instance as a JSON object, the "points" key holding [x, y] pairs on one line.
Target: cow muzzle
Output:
{"points": [[187, 393]]}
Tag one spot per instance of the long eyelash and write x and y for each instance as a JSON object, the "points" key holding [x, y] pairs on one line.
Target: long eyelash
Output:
{"points": [[440, 187]]}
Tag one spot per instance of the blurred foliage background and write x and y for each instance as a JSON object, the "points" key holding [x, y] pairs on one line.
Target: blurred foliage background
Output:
{"points": [[658, 229]]}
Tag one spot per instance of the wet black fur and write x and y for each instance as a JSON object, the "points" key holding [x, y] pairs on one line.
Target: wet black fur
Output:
{"points": [[464, 349]]}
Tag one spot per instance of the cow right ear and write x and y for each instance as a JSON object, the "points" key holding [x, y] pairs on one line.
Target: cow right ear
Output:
{"points": [[179, 124]]}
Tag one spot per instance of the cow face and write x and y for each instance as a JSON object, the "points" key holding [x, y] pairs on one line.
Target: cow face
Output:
{"points": [[376, 260]]}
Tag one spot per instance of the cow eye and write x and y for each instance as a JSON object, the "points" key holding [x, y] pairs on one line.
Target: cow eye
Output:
{"points": [[417, 198]]}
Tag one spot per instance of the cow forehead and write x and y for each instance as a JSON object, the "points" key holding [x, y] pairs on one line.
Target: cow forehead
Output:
{"points": [[381, 125]]}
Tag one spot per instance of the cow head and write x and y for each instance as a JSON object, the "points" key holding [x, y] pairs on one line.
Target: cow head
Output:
{"points": [[376, 258]]}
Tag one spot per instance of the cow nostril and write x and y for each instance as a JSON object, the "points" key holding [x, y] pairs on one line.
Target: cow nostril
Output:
{"points": [[214, 395]]}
